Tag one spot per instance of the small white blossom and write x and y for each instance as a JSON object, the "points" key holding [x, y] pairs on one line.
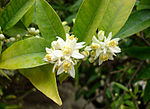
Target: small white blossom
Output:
{"points": [[104, 48], [64, 54], [12, 39], [2, 37], [33, 31]]}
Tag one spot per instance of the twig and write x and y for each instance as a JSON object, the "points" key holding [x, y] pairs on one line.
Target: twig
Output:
{"points": [[142, 36]]}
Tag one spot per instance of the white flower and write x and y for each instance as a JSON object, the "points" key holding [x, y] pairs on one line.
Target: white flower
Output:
{"points": [[104, 48], [65, 54], [2, 37]]}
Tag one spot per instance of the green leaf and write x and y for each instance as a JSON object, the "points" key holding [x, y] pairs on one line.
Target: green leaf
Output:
{"points": [[146, 92], [120, 86], [144, 73], [19, 28], [137, 22], [116, 15], [26, 53], [144, 4], [0, 47], [139, 52], [28, 17], [13, 12], [48, 21], [44, 80], [88, 18]]}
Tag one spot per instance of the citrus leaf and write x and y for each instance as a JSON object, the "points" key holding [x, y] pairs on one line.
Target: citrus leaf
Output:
{"points": [[48, 21], [144, 4], [13, 12], [28, 17], [44, 80], [120, 86], [139, 52], [137, 22], [88, 18], [146, 92], [19, 28], [116, 15], [26, 53]]}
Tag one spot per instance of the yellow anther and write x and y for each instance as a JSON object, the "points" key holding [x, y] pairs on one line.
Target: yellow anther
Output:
{"points": [[112, 44], [48, 57], [94, 46], [104, 57], [76, 38], [66, 50], [67, 66], [71, 37]]}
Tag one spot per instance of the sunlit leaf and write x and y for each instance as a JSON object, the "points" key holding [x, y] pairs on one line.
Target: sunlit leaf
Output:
{"points": [[48, 21], [116, 15], [13, 12], [137, 22], [88, 18], [44, 80], [24, 54]]}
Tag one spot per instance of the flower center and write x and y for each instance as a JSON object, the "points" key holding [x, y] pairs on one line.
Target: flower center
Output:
{"points": [[94, 46], [48, 57], [71, 37], [112, 44], [66, 50], [67, 66], [104, 57]]}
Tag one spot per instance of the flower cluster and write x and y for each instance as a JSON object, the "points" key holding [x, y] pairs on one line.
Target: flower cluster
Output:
{"points": [[33, 32], [103, 47], [64, 54]]}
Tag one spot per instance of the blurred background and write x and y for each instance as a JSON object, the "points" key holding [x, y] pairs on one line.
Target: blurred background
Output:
{"points": [[119, 84]]}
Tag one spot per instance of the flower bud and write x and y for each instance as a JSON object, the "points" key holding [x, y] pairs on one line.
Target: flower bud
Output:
{"points": [[12, 39], [37, 31], [91, 60], [37, 36], [64, 23], [2, 37], [18, 36]]}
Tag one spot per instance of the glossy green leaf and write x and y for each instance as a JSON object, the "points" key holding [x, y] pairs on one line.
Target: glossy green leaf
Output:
{"points": [[48, 21], [44, 80], [88, 18], [120, 86], [137, 22], [139, 52], [13, 12], [0, 47], [146, 92], [116, 15], [28, 17], [26, 53], [144, 73], [144, 4], [19, 28]]}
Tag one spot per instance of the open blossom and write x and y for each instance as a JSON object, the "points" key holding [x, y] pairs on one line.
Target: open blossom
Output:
{"points": [[103, 47], [64, 54]]}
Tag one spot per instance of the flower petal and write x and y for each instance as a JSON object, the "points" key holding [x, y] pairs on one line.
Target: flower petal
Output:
{"points": [[72, 72], [60, 70], [80, 45], [77, 55]]}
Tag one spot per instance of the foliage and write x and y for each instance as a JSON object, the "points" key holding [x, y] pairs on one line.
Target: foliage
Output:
{"points": [[120, 84]]}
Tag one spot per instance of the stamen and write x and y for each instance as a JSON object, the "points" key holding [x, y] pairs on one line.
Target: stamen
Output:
{"points": [[104, 57], [71, 37], [94, 46], [112, 44], [66, 50], [48, 57], [67, 66]]}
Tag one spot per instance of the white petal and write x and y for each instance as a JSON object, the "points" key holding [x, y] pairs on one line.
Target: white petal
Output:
{"points": [[61, 42], [77, 55], [100, 61], [95, 40], [58, 53], [60, 70], [72, 72], [67, 35], [48, 50], [109, 36], [101, 35], [98, 51], [116, 39], [54, 67], [87, 48], [80, 45], [115, 49]]}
